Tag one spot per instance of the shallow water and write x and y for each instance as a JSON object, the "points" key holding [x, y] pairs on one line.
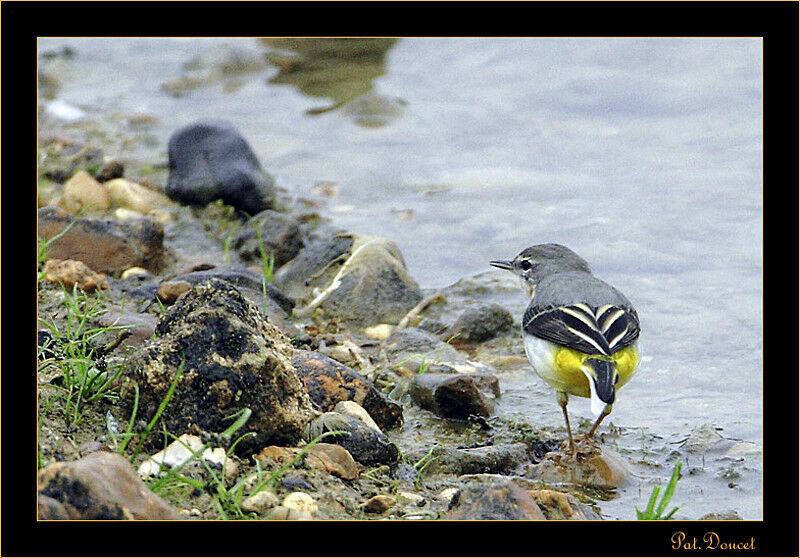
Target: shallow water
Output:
{"points": [[643, 155]]}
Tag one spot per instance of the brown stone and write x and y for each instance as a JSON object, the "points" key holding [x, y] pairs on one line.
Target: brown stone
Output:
{"points": [[169, 291], [105, 245], [84, 193], [328, 382], [379, 503], [495, 501], [329, 457], [102, 485], [455, 395], [71, 273]]}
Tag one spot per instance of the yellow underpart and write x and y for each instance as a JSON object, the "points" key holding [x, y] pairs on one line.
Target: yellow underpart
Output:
{"points": [[571, 379]]}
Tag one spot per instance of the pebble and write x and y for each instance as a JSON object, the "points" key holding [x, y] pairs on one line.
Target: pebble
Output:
{"points": [[83, 193], [169, 291], [379, 331], [379, 503], [300, 501], [135, 271], [476, 325], [71, 273], [282, 512], [132, 196], [260, 502]]}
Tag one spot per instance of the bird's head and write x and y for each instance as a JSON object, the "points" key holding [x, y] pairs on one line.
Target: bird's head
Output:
{"points": [[535, 262]]}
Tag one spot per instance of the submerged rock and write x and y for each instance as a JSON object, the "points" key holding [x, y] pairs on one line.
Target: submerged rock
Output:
{"points": [[280, 234], [455, 395], [105, 245], [329, 382], [210, 161], [102, 485], [232, 358], [359, 279], [595, 466], [495, 501]]}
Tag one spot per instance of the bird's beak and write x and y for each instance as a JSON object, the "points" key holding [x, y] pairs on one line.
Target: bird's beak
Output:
{"points": [[502, 264]]}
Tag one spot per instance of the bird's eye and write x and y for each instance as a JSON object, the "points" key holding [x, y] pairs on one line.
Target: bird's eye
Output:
{"points": [[525, 265]]}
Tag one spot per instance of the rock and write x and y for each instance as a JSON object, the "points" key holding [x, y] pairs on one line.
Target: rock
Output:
{"points": [[497, 501], [232, 358], [135, 272], [329, 457], [301, 502], [295, 483], [482, 323], [359, 279], [109, 170], [210, 161], [595, 466], [260, 502], [328, 382], [557, 505], [169, 291], [503, 458], [455, 395], [355, 410], [704, 438], [379, 331], [72, 272], [105, 245], [180, 452], [102, 485], [50, 508], [84, 193], [421, 351], [380, 503], [135, 197], [280, 236], [249, 284], [367, 445], [284, 513]]}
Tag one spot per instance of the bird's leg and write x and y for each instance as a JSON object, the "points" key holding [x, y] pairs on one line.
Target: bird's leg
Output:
{"points": [[562, 400], [604, 414]]}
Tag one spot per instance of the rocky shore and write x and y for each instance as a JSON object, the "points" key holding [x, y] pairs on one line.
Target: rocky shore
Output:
{"points": [[213, 347]]}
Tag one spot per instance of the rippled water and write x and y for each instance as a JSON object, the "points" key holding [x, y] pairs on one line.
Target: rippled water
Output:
{"points": [[643, 155]]}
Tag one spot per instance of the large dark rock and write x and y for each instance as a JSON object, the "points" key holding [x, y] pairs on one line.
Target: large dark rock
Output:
{"points": [[211, 161], [328, 382], [232, 357], [102, 485], [281, 236], [359, 279], [105, 245], [455, 395]]}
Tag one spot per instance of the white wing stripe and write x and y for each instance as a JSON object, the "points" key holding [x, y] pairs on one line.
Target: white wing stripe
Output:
{"points": [[611, 319], [588, 339]]}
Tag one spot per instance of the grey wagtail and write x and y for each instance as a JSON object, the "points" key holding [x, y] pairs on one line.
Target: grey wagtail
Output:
{"points": [[580, 333]]}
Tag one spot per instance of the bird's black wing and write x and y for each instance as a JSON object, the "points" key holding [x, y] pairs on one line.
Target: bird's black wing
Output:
{"points": [[600, 330]]}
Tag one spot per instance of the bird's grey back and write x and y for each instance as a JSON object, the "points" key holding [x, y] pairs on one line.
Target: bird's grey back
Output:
{"points": [[570, 287]]}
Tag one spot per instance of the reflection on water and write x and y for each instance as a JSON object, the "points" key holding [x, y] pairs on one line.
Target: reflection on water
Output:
{"points": [[338, 69]]}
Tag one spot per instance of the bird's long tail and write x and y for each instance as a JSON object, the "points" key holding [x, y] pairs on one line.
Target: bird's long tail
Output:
{"points": [[603, 377]]}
